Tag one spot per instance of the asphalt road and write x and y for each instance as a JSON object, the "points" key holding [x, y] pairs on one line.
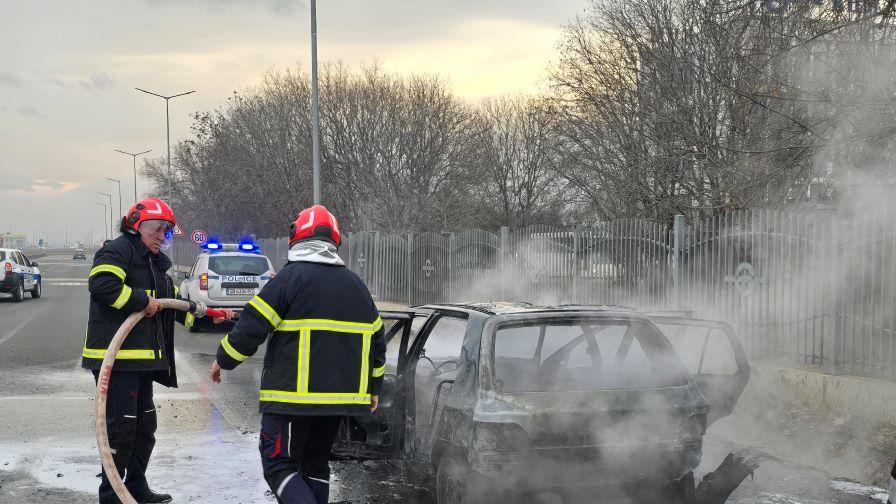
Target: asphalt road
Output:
{"points": [[206, 449]]}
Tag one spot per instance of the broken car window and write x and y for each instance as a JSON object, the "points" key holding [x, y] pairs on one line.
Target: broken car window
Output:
{"points": [[587, 355]]}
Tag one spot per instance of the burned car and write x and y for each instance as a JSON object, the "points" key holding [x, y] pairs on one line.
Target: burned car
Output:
{"points": [[501, 399]]}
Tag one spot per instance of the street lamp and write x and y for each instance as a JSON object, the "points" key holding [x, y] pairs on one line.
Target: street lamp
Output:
{"points": [[167, 130], [105, 227], [315, 114], [135, 168], [111, 233], [119, 192]]}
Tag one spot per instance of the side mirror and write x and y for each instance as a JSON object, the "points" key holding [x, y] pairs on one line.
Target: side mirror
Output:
{"points": [[34, 265], [181, 275]]}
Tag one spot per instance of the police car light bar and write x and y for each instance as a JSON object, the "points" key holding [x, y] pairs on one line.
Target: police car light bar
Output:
{"points": [[246, 246]]}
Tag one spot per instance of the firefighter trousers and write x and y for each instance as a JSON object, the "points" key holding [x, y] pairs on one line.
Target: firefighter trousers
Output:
{"points": [[295, 456], [131, 424]]}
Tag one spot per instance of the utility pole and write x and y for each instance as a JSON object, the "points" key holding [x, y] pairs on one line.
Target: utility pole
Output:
{"points": [[315, 111], [167, 129], [111, 233]]}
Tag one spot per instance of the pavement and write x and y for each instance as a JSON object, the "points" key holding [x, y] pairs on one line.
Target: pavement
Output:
{"points": [[206, 448]]}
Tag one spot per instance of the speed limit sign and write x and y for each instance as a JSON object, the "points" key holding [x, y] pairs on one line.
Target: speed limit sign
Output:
{"points": [[199, 237]]}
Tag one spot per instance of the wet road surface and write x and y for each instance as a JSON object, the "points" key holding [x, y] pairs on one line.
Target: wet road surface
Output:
{"points": [[206, 446]]}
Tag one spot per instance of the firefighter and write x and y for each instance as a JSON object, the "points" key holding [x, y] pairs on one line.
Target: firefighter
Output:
{"points": [[325, 357], [128, 276]]}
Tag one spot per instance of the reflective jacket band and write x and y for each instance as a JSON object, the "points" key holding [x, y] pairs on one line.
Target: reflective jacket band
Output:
{"points": [[100, 353], [266, 311], [328, 325], [188, 319], [380, 371], [312, 397], [108, 268], [232, 351], [123, 297]]}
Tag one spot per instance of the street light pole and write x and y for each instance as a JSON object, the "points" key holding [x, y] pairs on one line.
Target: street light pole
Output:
{"points": [[119, 193], [111, 233], [167, 129], [135, 168], [105, 227], [315, 112]]}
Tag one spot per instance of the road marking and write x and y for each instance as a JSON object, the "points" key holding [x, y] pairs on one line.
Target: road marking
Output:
{"points": [[18, 328], [69, 284], [53, 279]]}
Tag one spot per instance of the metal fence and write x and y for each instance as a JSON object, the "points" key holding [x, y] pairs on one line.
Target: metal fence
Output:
{"points": [[812, 289]]}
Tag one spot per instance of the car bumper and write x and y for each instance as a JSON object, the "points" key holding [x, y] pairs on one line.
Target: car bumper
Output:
{"points": [[580, 469], [9, 283]]}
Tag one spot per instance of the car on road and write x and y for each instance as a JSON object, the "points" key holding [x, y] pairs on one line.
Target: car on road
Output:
{"points": [[79, 254], [224, 275], [18, 275], [499, 400]]}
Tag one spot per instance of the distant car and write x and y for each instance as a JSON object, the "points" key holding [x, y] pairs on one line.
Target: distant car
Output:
{"points": [[79, 254], [18, 275], [504, 400], [225, 276]]}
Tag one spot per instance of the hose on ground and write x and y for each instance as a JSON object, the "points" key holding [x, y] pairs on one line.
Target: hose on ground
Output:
{"points": [[102, 389]]}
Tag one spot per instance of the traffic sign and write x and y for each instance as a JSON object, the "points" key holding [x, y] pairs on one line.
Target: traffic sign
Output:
{"points": [[199, 237], [178, 231]]}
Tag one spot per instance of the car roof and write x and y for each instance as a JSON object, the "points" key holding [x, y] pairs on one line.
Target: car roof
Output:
{"points": [[517, 307], [233, 253]]}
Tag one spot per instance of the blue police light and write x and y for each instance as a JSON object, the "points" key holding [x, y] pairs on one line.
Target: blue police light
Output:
{"points": [[212, 245], [247, 246]]}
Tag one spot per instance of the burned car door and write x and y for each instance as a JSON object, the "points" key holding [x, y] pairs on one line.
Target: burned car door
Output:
{"points": [[379, 435], [715, 357], [432, 366]]}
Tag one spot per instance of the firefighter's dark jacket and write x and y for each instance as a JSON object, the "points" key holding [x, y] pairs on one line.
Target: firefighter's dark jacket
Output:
{"points": [[327, 351], [124, 274]]}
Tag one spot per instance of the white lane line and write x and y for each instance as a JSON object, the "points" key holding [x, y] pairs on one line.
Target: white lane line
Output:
{"points": [[18, 328]]}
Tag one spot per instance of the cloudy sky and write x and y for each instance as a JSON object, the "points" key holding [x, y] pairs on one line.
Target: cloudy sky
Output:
{"points": [[68, 71]]}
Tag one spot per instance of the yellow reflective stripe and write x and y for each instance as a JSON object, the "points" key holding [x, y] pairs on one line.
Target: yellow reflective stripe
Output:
{"points": [[123, 297], [328, 325], [266, 311], [312, 397], [176, 291], [303, 368], [108, 268], [365, 363], [377, 324], [225, 344], [379, 371], [150, 292], [94, 353], [188, 320]]}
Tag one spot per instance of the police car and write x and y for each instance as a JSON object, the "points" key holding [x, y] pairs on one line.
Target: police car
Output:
{"points": [[18, 275], [225, 275]]}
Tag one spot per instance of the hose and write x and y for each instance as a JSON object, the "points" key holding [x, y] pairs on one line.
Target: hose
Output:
{"points": [[102, 390]]}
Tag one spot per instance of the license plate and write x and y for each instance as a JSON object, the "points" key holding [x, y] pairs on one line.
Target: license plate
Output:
{"points": [[240, 292]]}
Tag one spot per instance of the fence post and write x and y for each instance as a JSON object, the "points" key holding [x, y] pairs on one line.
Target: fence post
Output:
{"points": [[373, 264], [831, 329], [351, 240], [576, 264], [502, 265], [677, 245], [449, 288], [408, 263]]}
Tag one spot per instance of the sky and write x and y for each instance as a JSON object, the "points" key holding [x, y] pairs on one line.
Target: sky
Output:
{"points": [[68, 70]]}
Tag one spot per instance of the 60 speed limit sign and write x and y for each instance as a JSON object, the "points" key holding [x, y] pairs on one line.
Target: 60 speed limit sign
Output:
{"points": [[199, 237]]}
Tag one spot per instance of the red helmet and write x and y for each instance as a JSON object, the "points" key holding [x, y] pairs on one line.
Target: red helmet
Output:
{"points": [[145, 210], [315, 223]]}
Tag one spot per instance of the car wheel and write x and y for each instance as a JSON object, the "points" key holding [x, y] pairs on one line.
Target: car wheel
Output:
{"points": [[35, 291], [456, 483], [19, 294]]}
